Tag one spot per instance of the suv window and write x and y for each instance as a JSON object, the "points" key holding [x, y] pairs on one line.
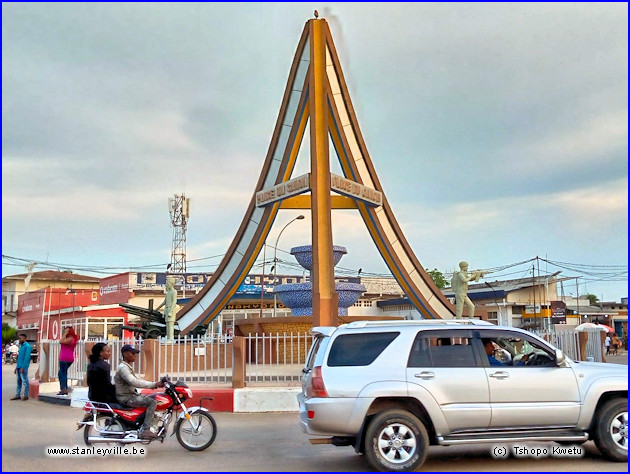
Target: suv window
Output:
{"points": [[359, 349], [511, 349], [310, 361], [430, 350]]}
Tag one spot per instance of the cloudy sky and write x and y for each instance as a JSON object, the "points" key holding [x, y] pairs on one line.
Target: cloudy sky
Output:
{"points": [[499, 132]]}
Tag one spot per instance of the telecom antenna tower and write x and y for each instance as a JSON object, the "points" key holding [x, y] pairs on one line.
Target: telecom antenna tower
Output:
{"points": [[179, 210]]}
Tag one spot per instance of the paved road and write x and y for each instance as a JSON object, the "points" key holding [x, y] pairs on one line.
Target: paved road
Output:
{"points": [[259, 442], [620, 358]]}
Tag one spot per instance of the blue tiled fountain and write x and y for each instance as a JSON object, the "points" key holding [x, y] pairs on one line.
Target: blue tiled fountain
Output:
{"points": [[299, 296]]}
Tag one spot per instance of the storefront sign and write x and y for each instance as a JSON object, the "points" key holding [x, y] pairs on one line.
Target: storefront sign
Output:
{"points": [[558, 312], [531, 309]]}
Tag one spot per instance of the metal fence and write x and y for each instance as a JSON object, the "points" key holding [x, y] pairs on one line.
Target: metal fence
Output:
{"points": [[270, 358], [567, 340], [594, 345], [78, 369], [276, 358], [196, 359]]}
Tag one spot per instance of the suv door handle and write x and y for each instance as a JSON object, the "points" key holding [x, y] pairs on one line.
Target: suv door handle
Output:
{"points": [[425, 375], [500, 375]]}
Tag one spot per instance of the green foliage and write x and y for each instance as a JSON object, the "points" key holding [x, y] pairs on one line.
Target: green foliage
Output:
{"points": [[8, 333], [438, 278], [592, 299]]}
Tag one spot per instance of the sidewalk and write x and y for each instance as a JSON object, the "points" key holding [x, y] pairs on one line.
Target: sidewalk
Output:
{"points": [[224, 397]]}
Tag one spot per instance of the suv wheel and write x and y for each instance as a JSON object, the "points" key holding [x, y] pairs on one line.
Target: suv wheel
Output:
{"points": [[611, 429], [396, 440]]}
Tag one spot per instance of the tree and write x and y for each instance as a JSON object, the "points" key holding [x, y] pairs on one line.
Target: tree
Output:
{"points": [[438, 278], [8, 333], [592, 299]]}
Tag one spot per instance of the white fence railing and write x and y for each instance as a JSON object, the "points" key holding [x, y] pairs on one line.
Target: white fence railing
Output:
{"points": [[275, 358], [76, 372], [567, 340], [196, 359]]}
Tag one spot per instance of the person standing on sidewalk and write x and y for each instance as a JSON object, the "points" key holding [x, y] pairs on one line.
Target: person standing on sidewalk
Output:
{"points": [[21, 369], [66, 358]]}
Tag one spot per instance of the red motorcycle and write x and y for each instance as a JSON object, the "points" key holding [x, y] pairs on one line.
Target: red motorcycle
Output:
{"points": [[117, 424]]}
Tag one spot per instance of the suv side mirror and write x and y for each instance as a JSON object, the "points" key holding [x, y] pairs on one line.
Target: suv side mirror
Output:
{"points": [[559, 357]]}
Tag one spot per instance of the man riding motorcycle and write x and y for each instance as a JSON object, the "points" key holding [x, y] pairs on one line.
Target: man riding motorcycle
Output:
{"points": [[126, 383], [11, 354]]}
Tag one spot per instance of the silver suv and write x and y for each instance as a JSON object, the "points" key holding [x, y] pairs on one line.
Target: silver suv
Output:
{"points": [[392, 388]]}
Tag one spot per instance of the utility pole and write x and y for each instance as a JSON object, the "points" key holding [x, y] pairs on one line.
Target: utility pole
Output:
{"points": [[534, 291], [543, 297], [577, 298], [262, 279]]}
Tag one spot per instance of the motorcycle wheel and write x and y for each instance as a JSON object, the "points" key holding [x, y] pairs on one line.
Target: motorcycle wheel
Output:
{"points": [[197, 433], [107, 423]]}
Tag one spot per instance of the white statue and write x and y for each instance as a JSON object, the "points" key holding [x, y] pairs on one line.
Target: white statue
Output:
{"points": [[459, 283], [170, 307]]}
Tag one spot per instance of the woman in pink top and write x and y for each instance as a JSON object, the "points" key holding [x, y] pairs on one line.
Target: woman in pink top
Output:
{"points": [[66, 357]]}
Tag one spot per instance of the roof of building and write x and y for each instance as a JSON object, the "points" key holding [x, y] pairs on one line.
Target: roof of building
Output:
{"points": [[54, 275], [485, 290]]}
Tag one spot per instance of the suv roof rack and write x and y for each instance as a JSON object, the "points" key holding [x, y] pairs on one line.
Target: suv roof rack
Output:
{"points": [[419, 322]]}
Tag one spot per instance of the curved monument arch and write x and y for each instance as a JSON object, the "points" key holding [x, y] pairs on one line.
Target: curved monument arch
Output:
{"points": [[316, 90]]}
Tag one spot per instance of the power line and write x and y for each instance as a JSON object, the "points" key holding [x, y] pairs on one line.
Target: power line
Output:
{"points": [[591, 272]]}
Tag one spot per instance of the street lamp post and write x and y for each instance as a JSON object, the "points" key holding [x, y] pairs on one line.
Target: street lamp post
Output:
{"points": [[275, 259], [262, 280]]}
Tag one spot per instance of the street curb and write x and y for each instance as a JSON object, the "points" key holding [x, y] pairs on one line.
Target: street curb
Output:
{"points": [[54, 399], [242, 400]]}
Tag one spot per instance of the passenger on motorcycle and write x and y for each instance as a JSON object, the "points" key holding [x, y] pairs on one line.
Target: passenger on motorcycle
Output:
{"points": [[126, 383], [12, 353], [99, 376]]}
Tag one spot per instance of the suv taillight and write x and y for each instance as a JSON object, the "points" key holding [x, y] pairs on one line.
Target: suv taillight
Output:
{"points": [[318, 390]]}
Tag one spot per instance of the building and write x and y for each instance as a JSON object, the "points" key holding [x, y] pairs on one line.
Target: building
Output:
{"points": [[611, 313], [529, 302], [14, 286], [43, 313], [94, 311]]}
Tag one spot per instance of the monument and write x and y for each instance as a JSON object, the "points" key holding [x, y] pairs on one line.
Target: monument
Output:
{"points": [[317, 94], [459, 283], [170, 307]]}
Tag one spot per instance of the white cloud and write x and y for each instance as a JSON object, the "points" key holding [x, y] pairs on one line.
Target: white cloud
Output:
{"points": [[498, 131], [600, 138]]}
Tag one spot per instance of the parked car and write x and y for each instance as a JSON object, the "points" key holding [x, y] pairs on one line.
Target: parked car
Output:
{"points": [[391, 389]]}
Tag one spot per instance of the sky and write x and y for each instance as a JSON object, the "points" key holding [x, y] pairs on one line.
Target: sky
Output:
{"points": [[499, 132]]}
